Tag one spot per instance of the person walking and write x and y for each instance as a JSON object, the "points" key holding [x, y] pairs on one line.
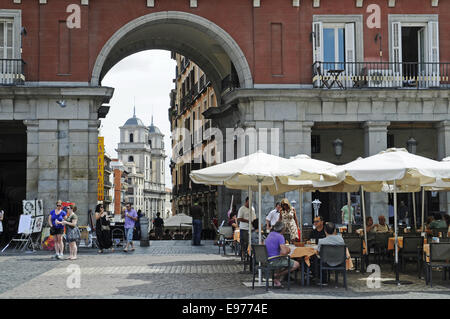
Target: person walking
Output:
{"points": [[158, 223], [72, 231], [131, 217], [102, 229], [273, 217], [55, 220], [197, 215]]}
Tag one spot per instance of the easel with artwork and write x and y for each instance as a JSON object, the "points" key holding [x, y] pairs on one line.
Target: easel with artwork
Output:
{"points": [[30, 226]]}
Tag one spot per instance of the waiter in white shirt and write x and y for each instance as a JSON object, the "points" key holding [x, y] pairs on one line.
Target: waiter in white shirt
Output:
{"points": [[273, 217], [243, 218]]}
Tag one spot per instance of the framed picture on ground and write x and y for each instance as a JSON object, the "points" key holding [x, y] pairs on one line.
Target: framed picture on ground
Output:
{"points": [[38, 221]]}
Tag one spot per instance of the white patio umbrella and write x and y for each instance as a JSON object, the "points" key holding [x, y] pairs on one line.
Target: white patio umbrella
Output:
{"points": [[258, 171], [178, 221], [396, 167]]}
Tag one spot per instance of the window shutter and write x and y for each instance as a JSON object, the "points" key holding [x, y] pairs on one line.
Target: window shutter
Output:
{"points": [[350, 56], [317, 42], [350, 43], [396, 54], [433, 54]]}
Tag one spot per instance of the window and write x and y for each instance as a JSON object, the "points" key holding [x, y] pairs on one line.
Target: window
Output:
{"points": [[131, 138], [6, 39], [315, 144], [130, 158], [333, 45]]}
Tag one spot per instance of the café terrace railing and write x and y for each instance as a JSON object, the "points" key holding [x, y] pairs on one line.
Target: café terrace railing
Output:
{"points": [[358, 75], [12, 72]]}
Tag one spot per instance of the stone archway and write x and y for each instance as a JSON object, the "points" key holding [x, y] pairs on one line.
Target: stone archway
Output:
{"points": [[195, 37]]}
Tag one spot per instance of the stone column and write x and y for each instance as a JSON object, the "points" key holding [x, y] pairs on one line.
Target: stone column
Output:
{"points": [[32, 158], [91, 137], [443, 129], [375, 135], [307, 197]]}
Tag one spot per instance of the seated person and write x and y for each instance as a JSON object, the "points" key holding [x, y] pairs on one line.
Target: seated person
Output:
{"points": [[438, 222], [381, 227], [276, 247], [166, 235], [318, 232], [332, 238], [255, 232], [232, 221], [370, 225]]}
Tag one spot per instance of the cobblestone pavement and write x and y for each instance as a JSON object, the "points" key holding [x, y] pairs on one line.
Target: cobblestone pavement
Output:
{"points": [[175, 269]]}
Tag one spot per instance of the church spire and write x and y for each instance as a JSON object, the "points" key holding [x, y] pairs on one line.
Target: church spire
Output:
{"points": [[134, 108]]}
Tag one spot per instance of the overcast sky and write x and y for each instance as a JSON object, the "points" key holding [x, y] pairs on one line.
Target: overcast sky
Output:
{"points": [[146, 77]]}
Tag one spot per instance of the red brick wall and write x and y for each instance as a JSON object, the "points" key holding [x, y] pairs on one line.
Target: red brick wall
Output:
{"points": [[252, 28]]}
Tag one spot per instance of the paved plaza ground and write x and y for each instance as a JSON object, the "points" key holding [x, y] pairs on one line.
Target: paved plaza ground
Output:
{"points": [[177, 270]]}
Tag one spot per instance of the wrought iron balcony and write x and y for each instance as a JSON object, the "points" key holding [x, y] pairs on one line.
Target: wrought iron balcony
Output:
{"points": [[229, 83], [357, 75], [12, 72]]}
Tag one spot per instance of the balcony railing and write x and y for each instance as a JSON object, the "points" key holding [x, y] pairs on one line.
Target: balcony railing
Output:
{"points": [[12, 72], [356, 75]]}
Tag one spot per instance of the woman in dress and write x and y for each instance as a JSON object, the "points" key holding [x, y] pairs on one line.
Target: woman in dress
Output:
{"points": [[289, 218], [55, 220], [102, 229], [70, 223]]}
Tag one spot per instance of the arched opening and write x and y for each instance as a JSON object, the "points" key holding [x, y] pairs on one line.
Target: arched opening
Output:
{"points": [[197, 38]]}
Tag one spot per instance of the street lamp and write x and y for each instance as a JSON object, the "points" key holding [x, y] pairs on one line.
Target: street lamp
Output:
{"points": [[338, 146], [316, 204], [412, 145]]}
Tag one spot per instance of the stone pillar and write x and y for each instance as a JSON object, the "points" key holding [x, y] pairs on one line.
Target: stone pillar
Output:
{"points": [[307, 197], [443, 129], [375, 135], [32, 158]]}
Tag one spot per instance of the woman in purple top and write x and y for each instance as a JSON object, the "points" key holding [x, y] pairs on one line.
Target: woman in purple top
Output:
{"points": [[130, 219], [55, 220]]}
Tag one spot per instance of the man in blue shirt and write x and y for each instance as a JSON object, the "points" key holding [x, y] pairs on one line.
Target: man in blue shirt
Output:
{"points": [[131, 217]]}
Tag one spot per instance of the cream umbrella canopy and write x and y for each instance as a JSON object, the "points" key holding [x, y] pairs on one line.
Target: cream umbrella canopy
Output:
{"points": [[258, 170], [397, 167]]}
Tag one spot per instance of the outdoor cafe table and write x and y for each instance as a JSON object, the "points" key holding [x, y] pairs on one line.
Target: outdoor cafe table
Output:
{"points": [[310, 250], [391, 242]]}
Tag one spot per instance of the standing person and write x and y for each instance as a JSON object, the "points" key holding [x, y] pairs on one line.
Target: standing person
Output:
{"points": [[55, 220], [158, 223], [131, 217], [289, 218], [345, 212], [197, 216], [102, 229], [391, 214], [403, 213], [243, 218], [273, 217], [137, 226], [72, 232]]}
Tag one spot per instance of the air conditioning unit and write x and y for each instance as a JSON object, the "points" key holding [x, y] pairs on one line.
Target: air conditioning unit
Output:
{"points": [[381, 78]]}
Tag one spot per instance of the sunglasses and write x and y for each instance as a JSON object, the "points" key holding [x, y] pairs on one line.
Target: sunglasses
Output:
{"points": [[316, 221]]}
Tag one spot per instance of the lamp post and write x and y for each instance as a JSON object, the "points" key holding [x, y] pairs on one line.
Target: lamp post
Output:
{"points": [[338, 147], [412, 145]]}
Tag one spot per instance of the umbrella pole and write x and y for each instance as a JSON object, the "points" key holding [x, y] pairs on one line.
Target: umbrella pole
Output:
{"points": [[349, 208], [250, 199], [259, 222], [423, 210], [396, 233], [301, 212], [364, 218], [414, 209], [397, 274]]}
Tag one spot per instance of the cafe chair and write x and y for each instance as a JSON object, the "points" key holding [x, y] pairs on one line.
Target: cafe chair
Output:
{"points": [[443, 231], [225, 238], [412, 248], [333, 258], [261, 261], [381, 245], [356, 250], [439, 258]]}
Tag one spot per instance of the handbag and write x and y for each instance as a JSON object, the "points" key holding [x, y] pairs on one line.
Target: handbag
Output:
{"points": [[73, 234]]}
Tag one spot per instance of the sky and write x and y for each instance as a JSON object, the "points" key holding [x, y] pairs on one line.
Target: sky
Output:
{"points": [[147, 78]]}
